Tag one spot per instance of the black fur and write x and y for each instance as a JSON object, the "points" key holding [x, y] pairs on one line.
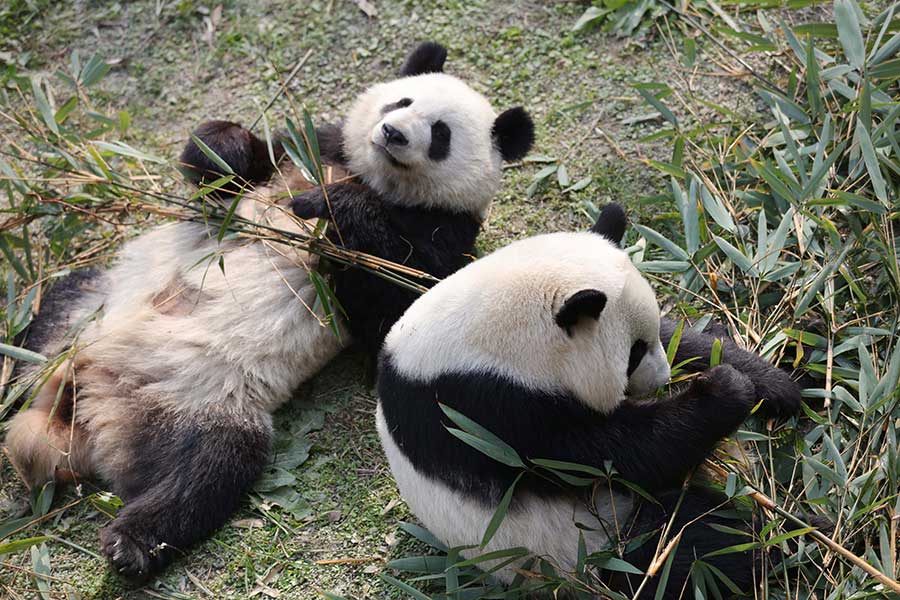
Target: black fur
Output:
{"points": [[55, 314], [611, 223], [654, 445], [432, 240], [187, 479], [582, 304], [331, 144], [693, 510], [246, 154], [428, 57], [439, 149], [513, 133], [781, 393]]}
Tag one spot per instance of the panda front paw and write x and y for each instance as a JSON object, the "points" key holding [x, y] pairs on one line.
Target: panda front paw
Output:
{"points": [[309, 206], [725, 388], [780, 393], [130, 557]]}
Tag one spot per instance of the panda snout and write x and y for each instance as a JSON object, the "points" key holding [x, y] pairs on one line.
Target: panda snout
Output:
{"points": [[393, 136]]}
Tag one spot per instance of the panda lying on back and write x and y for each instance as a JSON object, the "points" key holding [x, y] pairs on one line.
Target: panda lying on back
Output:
{"points": [[168, 392], [427, 150], [546, 343]]}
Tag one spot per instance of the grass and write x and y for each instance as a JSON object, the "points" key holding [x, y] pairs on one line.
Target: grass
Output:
{"points": [[175, 64]]}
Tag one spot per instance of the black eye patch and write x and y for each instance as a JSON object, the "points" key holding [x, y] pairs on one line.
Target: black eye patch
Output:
{"points": [[638, 350], [401, 103], [440, 141]]}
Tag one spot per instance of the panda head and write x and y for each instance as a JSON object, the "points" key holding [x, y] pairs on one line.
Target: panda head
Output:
{"points": [[428, 139], [562, 312]]}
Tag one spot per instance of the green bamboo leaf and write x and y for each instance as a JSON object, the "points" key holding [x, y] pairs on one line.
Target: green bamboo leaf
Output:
{"points": [[568, 466], [736, 256], [423, 535], [124, 149], [611, 563], [664, 266], [223, 229], [658, 105], [498, 453], [211, 155], [44, 106], [734, 549], [819, 280], [850, 33], [93, 71], [592, 15], [313, 143], [562, 177], [716, 210], [22, 354], [495, 555], [23, 544], [872, 166], [419, 564], [476, 431], [715, 355], [499, 513], [656, 238], [674, 342]]}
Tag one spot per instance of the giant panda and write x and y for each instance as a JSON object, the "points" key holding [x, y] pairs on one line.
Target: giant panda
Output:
{"points": [[426, 153], [555, 345], [171, 366]]}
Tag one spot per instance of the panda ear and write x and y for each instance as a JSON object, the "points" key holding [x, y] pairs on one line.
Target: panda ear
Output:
{"points": [[582, 304], [513, 131], [428, 57], [611, 223]]}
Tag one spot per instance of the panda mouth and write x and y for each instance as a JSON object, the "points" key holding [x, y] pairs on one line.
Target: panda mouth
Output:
{"points": [[387, 154]]}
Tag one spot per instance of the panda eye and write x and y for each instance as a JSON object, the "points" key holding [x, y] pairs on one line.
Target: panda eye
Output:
{"points": [[638, 350], [404, 102]]}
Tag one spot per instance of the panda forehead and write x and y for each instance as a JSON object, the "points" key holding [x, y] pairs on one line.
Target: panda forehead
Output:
{"points": [[550, 268], [440, 94]]}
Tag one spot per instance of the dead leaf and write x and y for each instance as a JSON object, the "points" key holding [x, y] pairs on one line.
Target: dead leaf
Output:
{"points": [[367, 7]]}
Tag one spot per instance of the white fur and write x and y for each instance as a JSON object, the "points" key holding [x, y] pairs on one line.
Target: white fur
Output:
{"points": [[174, 333], [547, 527], [465, 181], [497, 315]]}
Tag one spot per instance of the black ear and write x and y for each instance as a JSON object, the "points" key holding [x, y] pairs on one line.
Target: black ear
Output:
{"points": [[585, 303], [428, 57], [611, 223], [514, 132]]}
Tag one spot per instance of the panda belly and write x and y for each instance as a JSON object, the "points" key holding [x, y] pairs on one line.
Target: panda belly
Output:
{"points": [[178, 342], [546, 526]]}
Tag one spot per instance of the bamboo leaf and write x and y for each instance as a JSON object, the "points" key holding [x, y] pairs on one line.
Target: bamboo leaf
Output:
{"points": [[655, 238], [849, 32], [499, 513]]}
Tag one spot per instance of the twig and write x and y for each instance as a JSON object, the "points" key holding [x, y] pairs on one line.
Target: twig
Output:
{"points": [[284, 85], [766, 502]]}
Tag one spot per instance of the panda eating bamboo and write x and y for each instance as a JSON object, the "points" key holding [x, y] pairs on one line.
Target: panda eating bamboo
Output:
{"points": [[553, 344], [166, 393]]}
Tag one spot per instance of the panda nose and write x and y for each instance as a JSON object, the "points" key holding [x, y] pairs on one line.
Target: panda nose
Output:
{"points": [[393, 136]]}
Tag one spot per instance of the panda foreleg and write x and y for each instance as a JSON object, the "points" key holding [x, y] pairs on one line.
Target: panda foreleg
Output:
{"points": [[693, 517], [186, 480], [781, 393], [655, 445]]}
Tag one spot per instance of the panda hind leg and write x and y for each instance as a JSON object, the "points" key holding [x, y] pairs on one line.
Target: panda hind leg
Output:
{"points": [[695, 516], [45, 442], [185, 481]]}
